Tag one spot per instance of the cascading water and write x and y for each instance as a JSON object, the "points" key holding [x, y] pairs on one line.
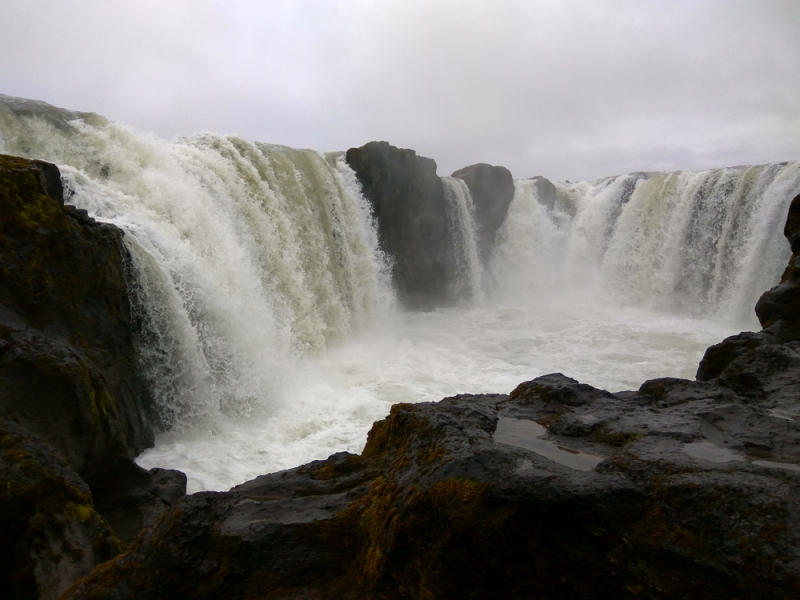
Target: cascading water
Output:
{"points": [[703, 244], [268, 324], [245, 256], [461, 214]]}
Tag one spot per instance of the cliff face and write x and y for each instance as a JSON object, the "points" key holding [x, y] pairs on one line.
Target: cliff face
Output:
{"points": [[410, 208], [63, 301], [72, 404], [681, 489]]}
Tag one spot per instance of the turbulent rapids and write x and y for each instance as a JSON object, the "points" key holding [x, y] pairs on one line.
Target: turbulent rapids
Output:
{"points": [[269, 327]]}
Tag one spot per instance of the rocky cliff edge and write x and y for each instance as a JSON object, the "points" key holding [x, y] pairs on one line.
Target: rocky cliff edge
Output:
{"points": [[73, 407]]}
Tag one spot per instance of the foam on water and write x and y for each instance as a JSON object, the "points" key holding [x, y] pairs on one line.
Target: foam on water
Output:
{"points": [[337, 396]]}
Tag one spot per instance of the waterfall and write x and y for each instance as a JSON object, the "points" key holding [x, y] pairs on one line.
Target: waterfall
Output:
{"points": [[247, 258], [265, 316], [461, 214], [704, 244], [244, 256]]}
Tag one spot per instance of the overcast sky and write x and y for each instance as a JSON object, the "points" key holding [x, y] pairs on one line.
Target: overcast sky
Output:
{"points": [[570, 89]]}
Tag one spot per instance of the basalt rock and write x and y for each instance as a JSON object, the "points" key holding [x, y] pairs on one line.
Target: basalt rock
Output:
{"points": [[66, 323], [492, 190], [51, 533], [653, 494], [778, 309], [545, 191], [72, 402], [680, 489], [410, 208]]}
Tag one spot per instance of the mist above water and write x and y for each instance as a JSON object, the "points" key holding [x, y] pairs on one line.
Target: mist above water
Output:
{"points": [[269, 329]]}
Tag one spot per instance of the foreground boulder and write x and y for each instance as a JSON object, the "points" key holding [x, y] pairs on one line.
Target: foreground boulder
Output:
{"points": [[73, 405], [410, 208], [492, 190], [680, 489]]}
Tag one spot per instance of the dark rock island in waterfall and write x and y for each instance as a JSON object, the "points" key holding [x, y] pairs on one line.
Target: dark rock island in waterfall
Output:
{"points": [[410, 209], [415, 230], [680, 489], [492, 190], [72, 401]]}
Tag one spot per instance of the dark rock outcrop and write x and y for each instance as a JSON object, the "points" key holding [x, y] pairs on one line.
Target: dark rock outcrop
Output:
{"points": [[410, 208], [492, 190], [66, 324], [545, 191], [134, 498], [681, 489], [51, 533], [72, 403], [628, 495], [778, 310]]}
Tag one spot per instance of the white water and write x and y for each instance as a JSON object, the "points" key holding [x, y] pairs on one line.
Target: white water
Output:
{"points": [[462, 224], [703, 244], [270, 333], [337, 396]]}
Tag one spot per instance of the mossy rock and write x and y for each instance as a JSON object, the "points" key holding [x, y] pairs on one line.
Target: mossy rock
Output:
{"points": [[51, 533], [73, 402], [67, 326]]}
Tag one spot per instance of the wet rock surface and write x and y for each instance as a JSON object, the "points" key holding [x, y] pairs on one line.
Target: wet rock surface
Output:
{"points": [[410, 208], [51, 533], [680, 489], [73, 406], [66, 323], [694, 494], [134, 498]]}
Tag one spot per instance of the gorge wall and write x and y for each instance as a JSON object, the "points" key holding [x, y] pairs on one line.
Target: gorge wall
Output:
{"points": [[63, 293]]}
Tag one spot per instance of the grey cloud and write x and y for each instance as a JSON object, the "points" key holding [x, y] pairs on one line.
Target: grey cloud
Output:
{"points": [[568, 89]]}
